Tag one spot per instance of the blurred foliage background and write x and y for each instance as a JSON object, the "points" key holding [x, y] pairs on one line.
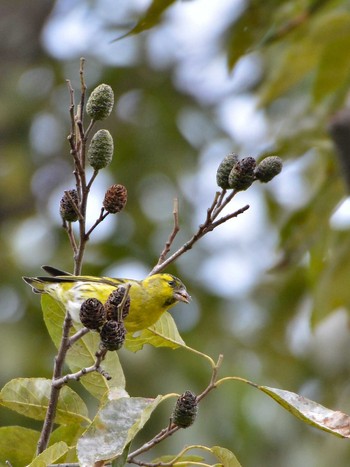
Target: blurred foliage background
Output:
{"points": [[194, 80]]}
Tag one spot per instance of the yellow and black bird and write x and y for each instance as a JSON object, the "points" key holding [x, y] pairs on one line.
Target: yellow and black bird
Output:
{"points": [[149, 298]]}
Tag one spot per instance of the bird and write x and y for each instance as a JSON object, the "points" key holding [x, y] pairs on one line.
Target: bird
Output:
{"points": [[149, 298]]}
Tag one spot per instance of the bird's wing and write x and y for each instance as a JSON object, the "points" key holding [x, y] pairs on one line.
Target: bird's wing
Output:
{"points": [[55, 272]]}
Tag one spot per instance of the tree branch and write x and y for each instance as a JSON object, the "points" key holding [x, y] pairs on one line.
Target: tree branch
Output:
{"points": [[173, 234], [100, 356], [55, 391], [172, 428], [218, 204]]}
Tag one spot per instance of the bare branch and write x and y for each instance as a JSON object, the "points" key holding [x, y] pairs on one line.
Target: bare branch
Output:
{"points": [[68, 228], [173, 234], [218, 204], [78, 335], [163, 434], [103, 215], [83, 90], [55, 392], [172, 428], [100, 355]]}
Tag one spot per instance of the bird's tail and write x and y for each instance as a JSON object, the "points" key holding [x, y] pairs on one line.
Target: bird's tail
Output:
{"points": [[37, 284]]}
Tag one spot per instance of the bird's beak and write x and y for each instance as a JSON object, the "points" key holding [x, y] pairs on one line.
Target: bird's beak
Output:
{"points": [[182, 296]]}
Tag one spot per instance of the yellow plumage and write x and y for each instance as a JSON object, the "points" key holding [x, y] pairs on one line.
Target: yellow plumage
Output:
{"points": [[149, 298]]}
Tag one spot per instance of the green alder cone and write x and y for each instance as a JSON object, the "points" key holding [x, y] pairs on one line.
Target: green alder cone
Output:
{"points": [[100, 103], [268, 168], [100, 151], [224, 170], [242, 175]]}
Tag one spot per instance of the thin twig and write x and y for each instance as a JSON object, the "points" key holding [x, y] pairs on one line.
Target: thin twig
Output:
{"points": [[92, 179], [100, 356], [163, 434], [78, 335], [68, 228], [83, 88], [230, 216], [173, 234], [203, 229], [121, 305], [72, 139], [223, 202], [171, 428], [103, 215], [73, 203], [212, 384]]}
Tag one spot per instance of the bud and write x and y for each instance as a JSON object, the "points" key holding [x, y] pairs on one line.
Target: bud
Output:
{"points": [[100, 103], [115, 199], [112, 303], [92, 313], [67, 210], [224, 170], [242, 175], [113, 335], [185, 410], [268, 168], [100, 151]]}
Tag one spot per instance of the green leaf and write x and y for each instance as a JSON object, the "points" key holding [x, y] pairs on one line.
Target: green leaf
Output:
{"points": [[226, 457], [30, 397], [331, 291], [114, 427], [13, 436], [150, 18], [120, 461], [50, 455], [163, 333], [249, 30], [314, 41], [297, 60], [311, 412], [70, 435], [82, 353], [67, 433], [308, 226], [334, 68]]}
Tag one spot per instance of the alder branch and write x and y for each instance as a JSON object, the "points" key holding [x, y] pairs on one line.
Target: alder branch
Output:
{"points": [[218, 204], [77, 142], [68, 228], [78, 335], [100, 356], [103, 215], [173, 234], [55, 391], [172, 428]]}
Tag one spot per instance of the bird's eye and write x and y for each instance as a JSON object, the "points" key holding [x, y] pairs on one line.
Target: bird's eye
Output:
{"points": [[171, 283]]}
